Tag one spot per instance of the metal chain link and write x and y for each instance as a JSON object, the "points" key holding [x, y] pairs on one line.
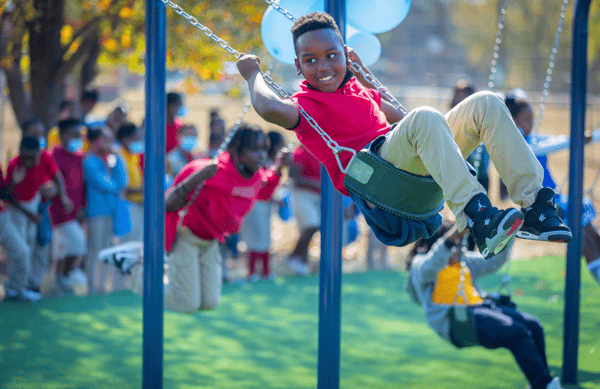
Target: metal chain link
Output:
{"points": [[333, 145], [496, 54], [552, 62], [354, 65]]}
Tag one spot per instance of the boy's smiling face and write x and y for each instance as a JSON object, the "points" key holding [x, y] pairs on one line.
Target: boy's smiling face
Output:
{"points": [[321, 57]]}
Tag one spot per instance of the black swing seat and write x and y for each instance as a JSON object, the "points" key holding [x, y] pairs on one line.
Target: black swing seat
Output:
{"points": [[463, 331], [396, 191]]}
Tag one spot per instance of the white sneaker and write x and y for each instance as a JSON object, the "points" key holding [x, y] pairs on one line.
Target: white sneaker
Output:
{"points": [[254, 277], [298, 266], [30, 295], [554, 384], [78, 282], [124, 256]]}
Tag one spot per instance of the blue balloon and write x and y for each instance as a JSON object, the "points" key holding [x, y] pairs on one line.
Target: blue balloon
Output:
{"points": [[275, 27], [376, 16], [366, 45]]}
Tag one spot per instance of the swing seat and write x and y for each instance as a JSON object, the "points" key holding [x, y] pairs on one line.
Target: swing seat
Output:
{"points": [[462, 326], [398, 192]]}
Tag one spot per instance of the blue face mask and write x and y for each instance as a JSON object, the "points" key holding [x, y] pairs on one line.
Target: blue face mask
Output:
{"points": [[75, 145], [188, 143], [137, 147], [182, 111], [42, 142]]}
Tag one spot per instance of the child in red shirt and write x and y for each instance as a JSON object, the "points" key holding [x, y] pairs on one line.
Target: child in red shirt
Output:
{"points": [[228, 187], [424, 143], [26, 175], [69, 242]]}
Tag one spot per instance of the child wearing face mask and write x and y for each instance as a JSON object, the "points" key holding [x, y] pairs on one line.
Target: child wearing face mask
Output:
{"points": [[132, 147], [207, 202], [104, 185], [69, 242], [183, 153]]}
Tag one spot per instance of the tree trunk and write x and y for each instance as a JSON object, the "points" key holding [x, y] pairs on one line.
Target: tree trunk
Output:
{"points": [[45, 52], [89, 69]]}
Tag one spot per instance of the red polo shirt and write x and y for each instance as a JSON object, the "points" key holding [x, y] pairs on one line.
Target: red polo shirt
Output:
{"points": [[223, 201], [171, 136], [35, 177], [71, 167], [350, 116]]}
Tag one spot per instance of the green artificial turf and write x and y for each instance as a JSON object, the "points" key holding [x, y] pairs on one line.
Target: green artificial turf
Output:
{"points": [[264, 335]]}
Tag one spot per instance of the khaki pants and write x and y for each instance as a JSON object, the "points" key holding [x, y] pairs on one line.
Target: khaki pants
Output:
{"points": [[194, 274], [17, 250], [426, 142]]}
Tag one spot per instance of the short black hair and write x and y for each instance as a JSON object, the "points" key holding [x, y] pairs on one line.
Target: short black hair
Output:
{"points": [[27, 124], [515, 104], [126, 130], [173, 98], [246, 136], [94, 133], [64, 126], [64, 104], [29, 143], [274, 139], [314, 21], [423, 246], [89, 94]]}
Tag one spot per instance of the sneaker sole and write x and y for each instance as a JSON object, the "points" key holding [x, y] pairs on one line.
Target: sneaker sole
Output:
{"points": [[507, 229], [553, 236]]}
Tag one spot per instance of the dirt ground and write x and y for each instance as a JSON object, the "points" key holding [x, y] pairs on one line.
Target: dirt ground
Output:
{"points": [[556, 121]]}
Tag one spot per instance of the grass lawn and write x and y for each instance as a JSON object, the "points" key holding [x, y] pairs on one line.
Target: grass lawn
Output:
{"points": [[264, 335]]}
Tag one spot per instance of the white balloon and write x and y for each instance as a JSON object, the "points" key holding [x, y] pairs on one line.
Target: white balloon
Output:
{"points": [[367, 46], [376, 16], [275, 27]]}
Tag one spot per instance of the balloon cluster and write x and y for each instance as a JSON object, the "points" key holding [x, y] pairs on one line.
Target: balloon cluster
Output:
{"points": [[364, 18]]}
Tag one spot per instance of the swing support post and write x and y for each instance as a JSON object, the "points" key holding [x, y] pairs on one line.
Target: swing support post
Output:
{"points": [[330, 278], [154, 199], [576, 170]]}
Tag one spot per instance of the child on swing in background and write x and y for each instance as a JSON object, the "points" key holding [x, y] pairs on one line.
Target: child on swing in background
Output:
{"points": [[423, 143], [433, 282], [522, 113], [228, 189]]}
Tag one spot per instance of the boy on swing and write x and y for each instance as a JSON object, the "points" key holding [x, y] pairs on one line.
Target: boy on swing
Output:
{"points": [[424, 142]]}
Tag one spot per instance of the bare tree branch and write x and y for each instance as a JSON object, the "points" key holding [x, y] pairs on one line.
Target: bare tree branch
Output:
{"points": [[67, 66]]}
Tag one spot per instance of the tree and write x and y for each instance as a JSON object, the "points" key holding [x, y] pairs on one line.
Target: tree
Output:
{"points": [[44, 41]]}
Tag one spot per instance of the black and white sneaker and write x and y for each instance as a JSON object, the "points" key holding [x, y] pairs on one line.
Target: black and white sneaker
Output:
{"points": [[542, 222], [492, 228], [124, 256]]}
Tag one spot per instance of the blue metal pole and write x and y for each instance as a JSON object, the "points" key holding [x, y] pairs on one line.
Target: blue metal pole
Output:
{"points": [[573, 272], [330, 291], [154, 200]]}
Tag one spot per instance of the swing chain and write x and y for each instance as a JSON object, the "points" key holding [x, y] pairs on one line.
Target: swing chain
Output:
{"points": [[552, 62], [354, 65], [496, 55], [194, 22], [383, 90], [333, 145]]}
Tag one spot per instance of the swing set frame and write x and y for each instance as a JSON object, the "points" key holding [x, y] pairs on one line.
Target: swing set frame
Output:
{"points": [[330, 277]]}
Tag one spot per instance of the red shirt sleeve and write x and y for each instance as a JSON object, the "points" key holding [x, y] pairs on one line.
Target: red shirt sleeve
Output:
{"points": [[269, 187], [49, 164]]}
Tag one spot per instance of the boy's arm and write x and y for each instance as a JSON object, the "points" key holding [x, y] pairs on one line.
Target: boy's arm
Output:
{"points": [[62, 192], [177, 196], [392, 114], [266, 103], [482, 267]]}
